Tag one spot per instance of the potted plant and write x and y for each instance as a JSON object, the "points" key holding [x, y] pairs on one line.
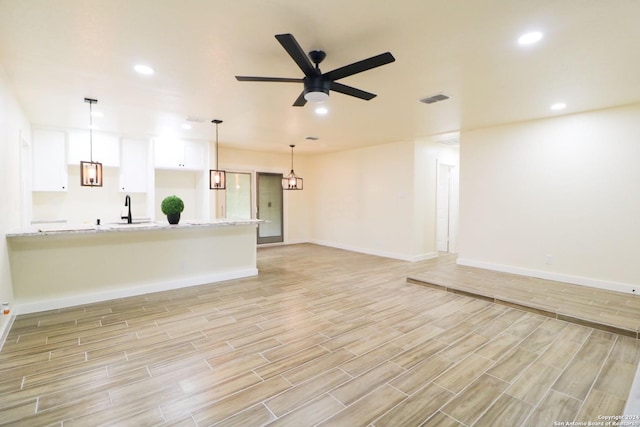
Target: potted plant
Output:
{"points": [[172, 206]]}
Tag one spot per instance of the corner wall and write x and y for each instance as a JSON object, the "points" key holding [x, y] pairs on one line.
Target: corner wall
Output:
{"points": [[13, 127], [364, 200], [555, 198]]}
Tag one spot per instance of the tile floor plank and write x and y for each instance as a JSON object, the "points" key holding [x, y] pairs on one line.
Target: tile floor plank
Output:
{"points": [[416, 409]]}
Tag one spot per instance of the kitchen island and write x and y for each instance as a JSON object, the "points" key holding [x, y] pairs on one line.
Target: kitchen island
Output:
{"points": [[59, 265]]}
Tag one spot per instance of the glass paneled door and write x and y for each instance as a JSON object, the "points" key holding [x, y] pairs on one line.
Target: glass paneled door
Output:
{"points": [[238, 195], [269, 200]]}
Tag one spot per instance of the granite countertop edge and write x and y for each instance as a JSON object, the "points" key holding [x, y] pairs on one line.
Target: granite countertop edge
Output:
{"points": [[40, 230]]}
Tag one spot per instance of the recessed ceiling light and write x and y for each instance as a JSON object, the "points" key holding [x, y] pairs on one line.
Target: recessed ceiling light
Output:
{"points": [[186, 126], [144, 69], [321, 111], [558, 106], [530, 38]]}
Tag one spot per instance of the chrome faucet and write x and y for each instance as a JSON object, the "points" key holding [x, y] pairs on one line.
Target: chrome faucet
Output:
{"points": [[127, 203]]}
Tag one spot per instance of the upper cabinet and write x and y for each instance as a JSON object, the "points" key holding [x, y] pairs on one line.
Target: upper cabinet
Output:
{"points": [[134, 163], [49, 163], [194, 155], [170, 153], [106, 148]]}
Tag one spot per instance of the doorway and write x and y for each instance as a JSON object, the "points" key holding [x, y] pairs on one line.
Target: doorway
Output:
{"points": [[269, 201], [447, 208]]}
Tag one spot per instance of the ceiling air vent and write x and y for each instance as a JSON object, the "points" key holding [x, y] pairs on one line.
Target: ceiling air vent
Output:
{"points": [[451, 139], [196, 119], [312, 138], [434, 98], [452, 142]]}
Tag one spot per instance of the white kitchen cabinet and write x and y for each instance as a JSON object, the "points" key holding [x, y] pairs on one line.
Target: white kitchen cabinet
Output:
{"points": [[171, 153], [134, 166], [106, 148], [194, 153], [49, 163]]}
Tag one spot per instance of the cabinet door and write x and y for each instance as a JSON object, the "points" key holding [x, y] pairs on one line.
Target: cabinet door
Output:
{"points": [[49, 162], [133, 166], [168, 153], [194, 153], [106, 148]]}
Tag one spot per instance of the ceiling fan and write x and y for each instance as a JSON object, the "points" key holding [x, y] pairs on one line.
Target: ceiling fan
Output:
{"points": [[316, 83]]}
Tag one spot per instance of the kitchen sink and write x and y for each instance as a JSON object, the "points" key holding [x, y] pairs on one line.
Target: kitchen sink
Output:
{"points": [[134, 224]]}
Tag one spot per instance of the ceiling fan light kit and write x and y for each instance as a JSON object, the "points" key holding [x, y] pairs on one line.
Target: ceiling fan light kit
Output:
{"points": [[318, 91], [316, 84]]}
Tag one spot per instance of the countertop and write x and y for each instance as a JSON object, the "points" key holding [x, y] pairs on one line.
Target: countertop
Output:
{"points": [[57, 229]]}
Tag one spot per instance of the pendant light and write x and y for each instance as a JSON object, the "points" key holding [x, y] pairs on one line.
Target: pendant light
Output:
{"points": [[292, 181], [90, 172], [217, 178]]}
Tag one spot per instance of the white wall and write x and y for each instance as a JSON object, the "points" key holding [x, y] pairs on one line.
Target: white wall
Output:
{"points": [[13, 128], [184, 184], [363, 200], [555, 198]]}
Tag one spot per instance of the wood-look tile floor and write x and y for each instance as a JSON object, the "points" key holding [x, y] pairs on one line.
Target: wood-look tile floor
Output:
{"points": [[608, 310], [320, 337]]}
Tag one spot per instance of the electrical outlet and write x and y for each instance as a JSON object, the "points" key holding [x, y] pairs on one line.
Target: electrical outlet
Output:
{"points": [[548, 259]]}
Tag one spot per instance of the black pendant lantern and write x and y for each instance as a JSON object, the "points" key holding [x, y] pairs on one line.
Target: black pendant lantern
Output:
{"points": [[217, 178], [90, 172], [292, 181]]}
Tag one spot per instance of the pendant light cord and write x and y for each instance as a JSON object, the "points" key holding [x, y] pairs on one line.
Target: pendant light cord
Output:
{"points": [[91, 102], [216, 146], [90, 132], [217, 122]]}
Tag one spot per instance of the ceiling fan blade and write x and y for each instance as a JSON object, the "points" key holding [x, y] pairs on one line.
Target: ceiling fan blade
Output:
{"points": [[267, 79], [294, 50], [300, 101], [360, 66], [348, 90]]}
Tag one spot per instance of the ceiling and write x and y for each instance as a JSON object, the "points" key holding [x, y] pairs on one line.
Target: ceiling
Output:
{"points": [[56, 53]]}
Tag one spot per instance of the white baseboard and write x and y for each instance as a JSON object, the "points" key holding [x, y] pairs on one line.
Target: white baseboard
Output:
{"points": [[5, 328], [284, 243], [425, 257], [558, 277], [88, 298], [295, 242], [384, 254]]}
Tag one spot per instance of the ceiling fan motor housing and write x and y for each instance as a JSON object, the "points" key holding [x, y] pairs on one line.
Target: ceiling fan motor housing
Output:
{"points": [[314, 86]]}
